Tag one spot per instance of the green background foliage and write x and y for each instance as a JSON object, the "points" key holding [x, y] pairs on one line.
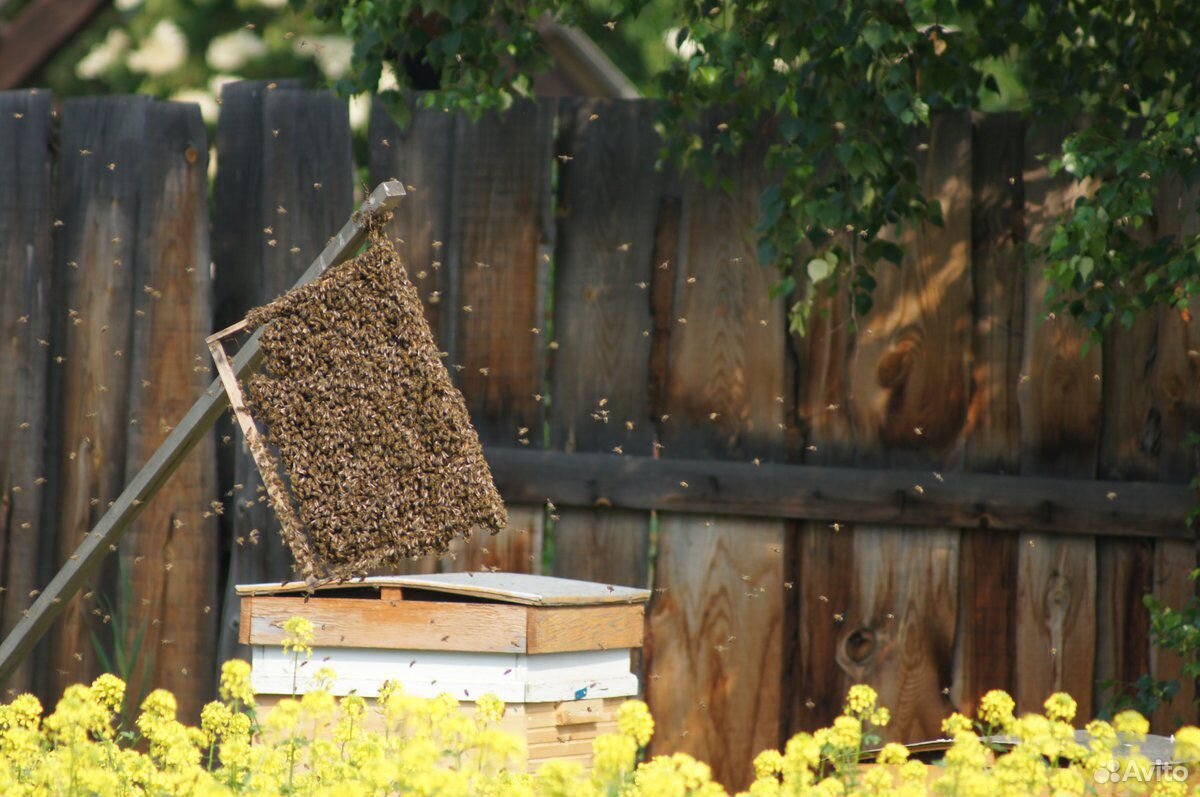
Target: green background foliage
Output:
{"points": [[841, 91]]}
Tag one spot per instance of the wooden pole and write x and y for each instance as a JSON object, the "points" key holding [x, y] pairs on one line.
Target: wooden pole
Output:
{"points": [[103, 538]]}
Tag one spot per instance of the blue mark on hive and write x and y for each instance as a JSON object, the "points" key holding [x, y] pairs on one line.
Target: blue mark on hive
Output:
{"points": [[580, 694]]}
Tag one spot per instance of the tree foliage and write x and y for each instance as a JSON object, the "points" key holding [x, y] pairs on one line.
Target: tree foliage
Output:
{"points": [[840, 91]]}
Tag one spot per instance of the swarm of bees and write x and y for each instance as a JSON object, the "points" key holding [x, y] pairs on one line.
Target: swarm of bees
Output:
{"points": [[378, 451]]}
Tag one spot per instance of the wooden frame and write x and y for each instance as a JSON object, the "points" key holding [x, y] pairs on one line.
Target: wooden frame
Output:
{"points": [[187, 433], [237, 401]]}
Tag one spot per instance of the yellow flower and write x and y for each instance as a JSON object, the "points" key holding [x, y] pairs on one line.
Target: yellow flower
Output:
{"points": [[880, 717], [489, 710], [613, 756], [846, 734], [955, 724], [1067, 781], [214, 720], [298, 636], [996, 708], [831, 787], [634, 720], [559, 779], [764, 787], [24, 712], [1131, 724], [318, 704], [1170, 788], [860, 700], [284, 716], [109, 690], [159, 705], [1187, 743], [235, 682], [1060, 706], [768, 764], [892, 753], [914, 772]]}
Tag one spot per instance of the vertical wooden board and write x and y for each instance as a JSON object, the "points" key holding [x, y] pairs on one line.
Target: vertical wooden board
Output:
{"points": [[25, 293], [908, 389], [500, 240], [1059, 385], [985, 643], [301, 191], [609, 198], [499, 223], [910, 369], [721, 578], [1059, 398], [988, 567], [98, 185], [1056, 620], [992, 441], [899, 634], [825, 595], [237, 225], [517, 548], [237, 200], [172, 550], [823, 390], [1174, 561], [1177, 404], [308, 182], [419, 155], [714, 645], [1124, 575], [1128, 449]]}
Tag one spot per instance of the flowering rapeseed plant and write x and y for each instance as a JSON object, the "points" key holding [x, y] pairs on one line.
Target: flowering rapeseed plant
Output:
{"points": [[317, 746]]}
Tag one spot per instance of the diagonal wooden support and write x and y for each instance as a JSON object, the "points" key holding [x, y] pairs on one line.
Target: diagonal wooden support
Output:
{"points": [[194, 425]]}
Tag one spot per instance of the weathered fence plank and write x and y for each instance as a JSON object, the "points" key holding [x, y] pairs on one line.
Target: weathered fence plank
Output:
{"points": [[716, 622], [172, 552], [609, 199], [1175, 414], [500, 244], [98, 189], [823, 549], [25, 322], [1059, 397], [909, 384], [421, 155], [294, 186], [991, 443]]}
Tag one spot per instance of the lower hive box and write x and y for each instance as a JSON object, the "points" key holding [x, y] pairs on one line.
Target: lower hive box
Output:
{"points": [[558, 652]]}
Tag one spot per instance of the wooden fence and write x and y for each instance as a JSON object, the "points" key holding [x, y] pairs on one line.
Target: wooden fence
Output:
{"points": [[955, 497]]}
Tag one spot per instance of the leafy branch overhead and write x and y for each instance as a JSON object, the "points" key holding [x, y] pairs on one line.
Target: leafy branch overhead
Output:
{"points": [[841, 91]]}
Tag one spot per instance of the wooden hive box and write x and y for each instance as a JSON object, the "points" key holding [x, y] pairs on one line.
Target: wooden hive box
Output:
{"points": [[558, 652]]}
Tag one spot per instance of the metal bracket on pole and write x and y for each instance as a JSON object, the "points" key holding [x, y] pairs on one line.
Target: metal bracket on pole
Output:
{"points": [[190, 430]]}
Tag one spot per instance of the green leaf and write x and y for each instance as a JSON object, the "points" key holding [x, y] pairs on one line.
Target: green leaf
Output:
{"points": [[818, 269], [1085, 267]]}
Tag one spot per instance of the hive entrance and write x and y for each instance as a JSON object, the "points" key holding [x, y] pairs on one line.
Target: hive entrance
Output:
{"points": [[364, 444]]}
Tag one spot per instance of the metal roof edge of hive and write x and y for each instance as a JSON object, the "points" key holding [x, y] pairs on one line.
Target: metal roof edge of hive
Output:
{"points": [[1159, 749], [519, 588]]}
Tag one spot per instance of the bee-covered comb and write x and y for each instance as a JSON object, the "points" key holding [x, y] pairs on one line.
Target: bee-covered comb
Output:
{"points": [[364, 444]]}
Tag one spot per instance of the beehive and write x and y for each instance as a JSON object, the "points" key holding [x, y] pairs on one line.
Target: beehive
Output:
{"points": [[558, 652]]}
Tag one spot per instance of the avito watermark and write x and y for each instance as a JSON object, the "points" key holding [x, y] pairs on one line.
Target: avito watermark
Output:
{"points": [[1141, 772]]}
